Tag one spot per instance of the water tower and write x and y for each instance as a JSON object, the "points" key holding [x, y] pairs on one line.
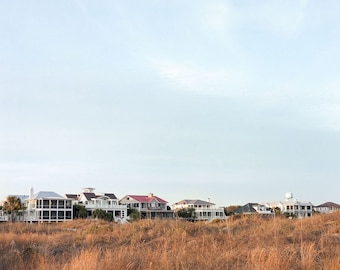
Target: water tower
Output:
{"points": [[289, 196]]}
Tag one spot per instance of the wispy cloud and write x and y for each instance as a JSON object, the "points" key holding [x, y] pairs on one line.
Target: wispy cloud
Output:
{"points": [[210, 81], [326, 105], [39, 171], [87, 14], [217, 16], [284, 18]]}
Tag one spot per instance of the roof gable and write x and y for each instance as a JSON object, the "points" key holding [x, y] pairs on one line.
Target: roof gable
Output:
{"points": [[329, 204], [146, 198], [72, 196], [247, 208], [111, 196], [89, 196], [22, 198]]}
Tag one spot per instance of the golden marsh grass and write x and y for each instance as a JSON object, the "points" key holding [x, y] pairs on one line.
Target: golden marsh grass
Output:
{"points": [[248, 242]]}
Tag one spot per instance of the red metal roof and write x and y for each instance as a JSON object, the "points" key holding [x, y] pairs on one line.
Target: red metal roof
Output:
{"points": [[146, 198]]}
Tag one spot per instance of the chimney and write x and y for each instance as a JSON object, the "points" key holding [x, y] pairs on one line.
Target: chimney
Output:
{"points": [[31, 193]]}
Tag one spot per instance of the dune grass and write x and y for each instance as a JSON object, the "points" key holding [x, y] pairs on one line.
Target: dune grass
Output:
{"points": [[248, 242]]}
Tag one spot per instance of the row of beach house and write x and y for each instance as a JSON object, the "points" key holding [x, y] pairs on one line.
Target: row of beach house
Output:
{"points": [[47, 206]]}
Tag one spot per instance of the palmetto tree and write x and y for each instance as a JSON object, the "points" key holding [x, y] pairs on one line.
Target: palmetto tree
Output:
{"points": [[12, 205]]}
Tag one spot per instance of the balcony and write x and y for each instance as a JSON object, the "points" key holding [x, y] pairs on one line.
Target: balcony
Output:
{"points": [[155, 208]]}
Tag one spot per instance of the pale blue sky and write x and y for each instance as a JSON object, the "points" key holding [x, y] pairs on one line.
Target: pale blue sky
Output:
{"points": [[236, 101]]}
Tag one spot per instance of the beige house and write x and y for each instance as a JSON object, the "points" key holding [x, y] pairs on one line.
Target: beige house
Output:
{"points": [[149, 206], [327, 207], [203, 210]]}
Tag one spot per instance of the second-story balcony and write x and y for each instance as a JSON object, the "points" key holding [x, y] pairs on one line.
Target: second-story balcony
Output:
{"points": [[99, 205], [155, 208]]}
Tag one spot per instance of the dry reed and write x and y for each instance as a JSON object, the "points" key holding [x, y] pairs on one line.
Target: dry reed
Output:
{"points": [[248, 242]]}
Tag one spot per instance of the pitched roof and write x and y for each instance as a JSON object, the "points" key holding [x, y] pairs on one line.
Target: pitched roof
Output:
{"points": [[89, 195], [21, 197], [247, 208], [198, 202], [111, 196], [146, 198], [72, 196], [329, 204], [47, 195]]}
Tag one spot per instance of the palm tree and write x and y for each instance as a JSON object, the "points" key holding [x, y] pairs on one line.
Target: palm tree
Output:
{"points": [[11, 205]]}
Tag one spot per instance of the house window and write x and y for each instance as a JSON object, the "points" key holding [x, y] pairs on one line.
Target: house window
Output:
{"points": [[46, 204], [303, 207], [209, 214], [54, 204], [38, 203], [46, 215], [308, 207], [68, 214], [53, 214], [61, 204], [61, 214]]}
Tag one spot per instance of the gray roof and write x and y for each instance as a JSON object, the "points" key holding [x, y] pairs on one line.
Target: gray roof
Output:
{"points": [[72, 196], [89, 195], [329, 204], [247, 208], [21, 197], [111, 196], [198, 202], [47, 195]]}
